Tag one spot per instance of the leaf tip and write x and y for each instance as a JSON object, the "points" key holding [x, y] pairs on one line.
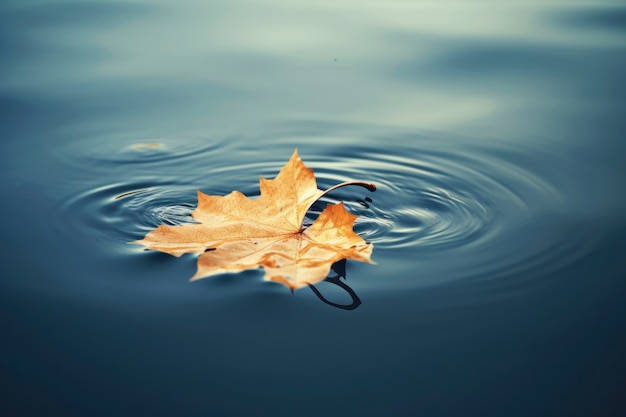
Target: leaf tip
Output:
{"points": [[295, 156]]}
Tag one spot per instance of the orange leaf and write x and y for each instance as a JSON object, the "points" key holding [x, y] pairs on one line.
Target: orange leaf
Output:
{"points": [[236, 233]]}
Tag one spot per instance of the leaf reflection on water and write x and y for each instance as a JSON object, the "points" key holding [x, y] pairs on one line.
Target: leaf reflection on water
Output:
{"points": [[339, 268]]}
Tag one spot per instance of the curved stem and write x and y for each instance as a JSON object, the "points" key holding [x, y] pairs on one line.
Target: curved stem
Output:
{"points": [[368, 185], [371, 187]]}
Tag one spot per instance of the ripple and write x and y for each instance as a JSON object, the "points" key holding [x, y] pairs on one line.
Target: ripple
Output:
{"points": [[434, 202], [118, 213], [111, 149]]}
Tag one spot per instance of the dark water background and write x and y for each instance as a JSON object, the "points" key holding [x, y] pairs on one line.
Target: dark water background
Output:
{"points": [[494, 131]]}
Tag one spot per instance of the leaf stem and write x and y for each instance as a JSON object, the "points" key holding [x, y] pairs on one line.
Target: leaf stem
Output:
{"points": [[368, 185]]}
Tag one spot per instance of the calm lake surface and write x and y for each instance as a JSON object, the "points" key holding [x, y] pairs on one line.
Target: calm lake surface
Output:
{"points": [[493, 130]]}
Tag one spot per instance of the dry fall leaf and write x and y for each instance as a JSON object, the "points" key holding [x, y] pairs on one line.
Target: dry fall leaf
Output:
{"points": [[235, 233]]}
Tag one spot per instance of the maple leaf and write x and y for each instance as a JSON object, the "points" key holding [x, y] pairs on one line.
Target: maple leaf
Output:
{"points": [[235, 233]]}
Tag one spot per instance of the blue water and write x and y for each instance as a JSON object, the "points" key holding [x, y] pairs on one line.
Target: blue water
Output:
{"points": [[494, 132]]}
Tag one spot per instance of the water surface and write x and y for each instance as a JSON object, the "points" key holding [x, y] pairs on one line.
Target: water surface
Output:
{"points": [[494, 132]]}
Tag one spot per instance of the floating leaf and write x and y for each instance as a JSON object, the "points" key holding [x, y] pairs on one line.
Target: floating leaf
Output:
{"points": [[235, 233]]}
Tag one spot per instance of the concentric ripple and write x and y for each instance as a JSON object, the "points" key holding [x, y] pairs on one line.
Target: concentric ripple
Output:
{"points": [[116, 149], [434, 203], [438, 201], [116, 214]]}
